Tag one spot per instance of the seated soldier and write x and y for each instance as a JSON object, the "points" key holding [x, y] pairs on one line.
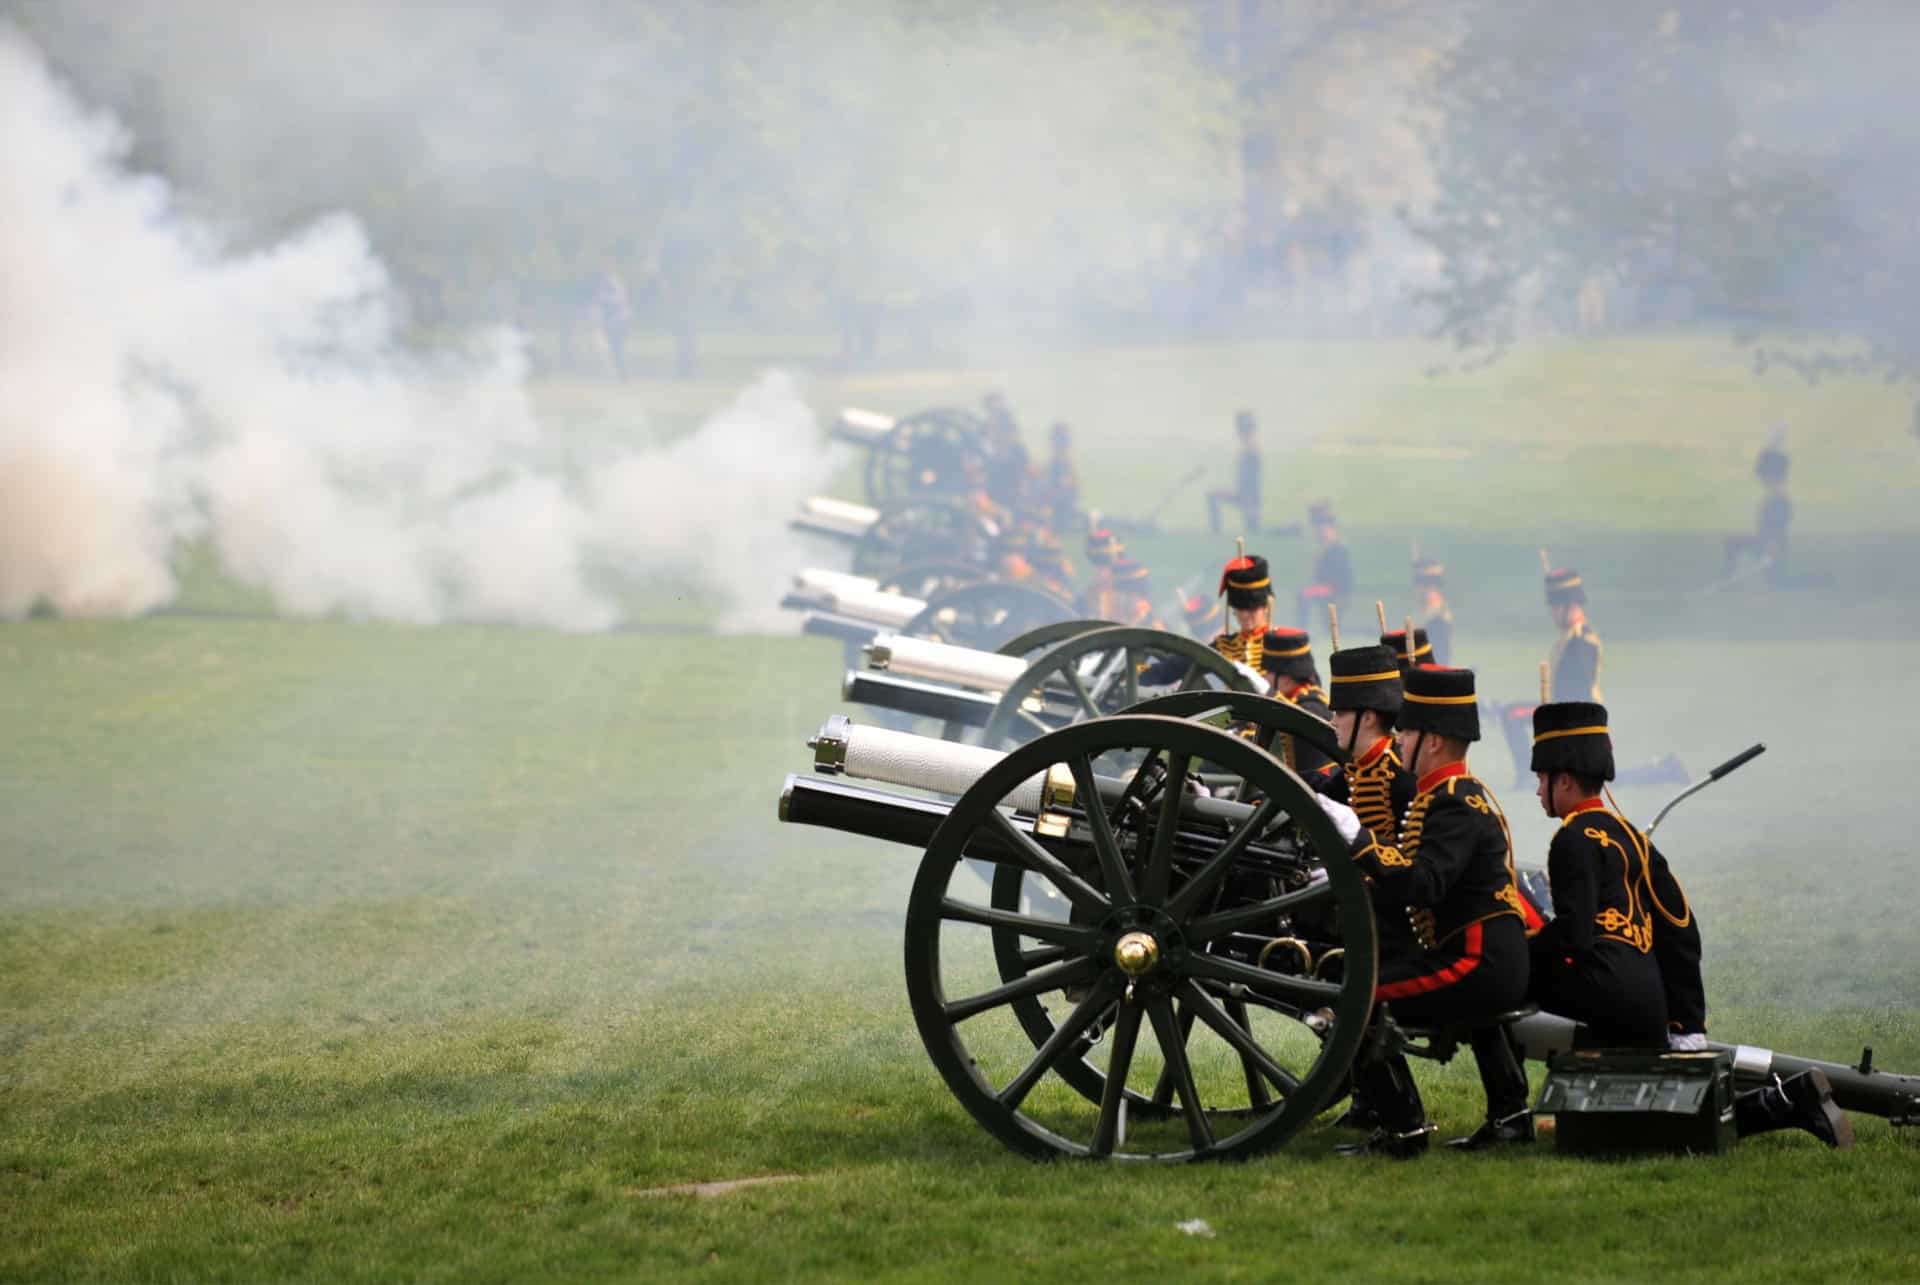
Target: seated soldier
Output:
{"points": [[1594, 962], [1286, 658], [1451, 874], [1622, 955]]}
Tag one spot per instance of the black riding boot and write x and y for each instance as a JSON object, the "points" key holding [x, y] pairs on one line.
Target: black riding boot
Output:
{"points": [[1386, 1084], [1505, 1084], [1803, 1102]]}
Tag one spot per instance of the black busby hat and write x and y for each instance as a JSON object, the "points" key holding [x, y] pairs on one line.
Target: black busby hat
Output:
{"points": [[1441, 700], [1289, 653], [1365, 678], [1131, 573], [1565, 586], [1429, 573], [1103, 546], [1572, 736], [1246, 583], [1200, 612], [1396, 642], [1320, 513]]}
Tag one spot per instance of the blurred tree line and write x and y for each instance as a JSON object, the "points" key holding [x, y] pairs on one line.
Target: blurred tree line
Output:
{"points": [[881, 169]]}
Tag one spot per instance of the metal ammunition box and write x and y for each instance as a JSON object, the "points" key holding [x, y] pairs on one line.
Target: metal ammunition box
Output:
{"points": [[1625, 1102]]}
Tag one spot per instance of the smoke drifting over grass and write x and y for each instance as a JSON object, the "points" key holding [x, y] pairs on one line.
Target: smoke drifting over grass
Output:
{"points": [[157, 388]]}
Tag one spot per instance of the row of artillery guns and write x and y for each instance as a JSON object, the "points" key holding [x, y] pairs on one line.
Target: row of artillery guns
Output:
{"points": [[1131, 935]]}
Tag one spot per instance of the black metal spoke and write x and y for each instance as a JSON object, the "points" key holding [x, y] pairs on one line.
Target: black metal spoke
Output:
{"points": [[1106, 847], [1126, 1032], [1197, 889], [1080, 691], [1133, 677], [1032, 959], [1035, 722], [1297, 990], [1153, 887], [1223, 922], [1258, 1095], [1070, 973], [1043, 863], [1064, 1040], [1163, 1087], [1232, 1026], [1053, 930], [1167, 1030]]}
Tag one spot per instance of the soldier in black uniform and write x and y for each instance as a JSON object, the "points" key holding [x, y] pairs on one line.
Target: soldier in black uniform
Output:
{"points": [[1365, 699], [1331, 580], [1622, 955], [1451, 874], [1006, 477], [1396, 641], [1202, 616], [1060, 486], [1430, 584], [1594, 962], [1245, 493], [1249, 592], [1286, 658]]}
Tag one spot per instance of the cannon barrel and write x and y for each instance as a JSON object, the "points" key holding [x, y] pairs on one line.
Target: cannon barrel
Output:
{"points": [[841, 519], [922, 699], [1855, 1088], [947, 767], [862, 427], [834, 804], [986, 671]]}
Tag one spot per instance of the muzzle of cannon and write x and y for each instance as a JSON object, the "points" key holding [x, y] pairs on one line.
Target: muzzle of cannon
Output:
{"points": [[837, 519], [821, 579], [862, 427], [1124, 910]]}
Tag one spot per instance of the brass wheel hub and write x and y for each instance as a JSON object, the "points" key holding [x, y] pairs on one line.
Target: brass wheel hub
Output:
{"points": [[1136, 953]]}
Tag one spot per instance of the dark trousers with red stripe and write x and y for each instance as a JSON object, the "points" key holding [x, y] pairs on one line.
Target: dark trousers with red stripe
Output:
{"points": [[1479, 974]]}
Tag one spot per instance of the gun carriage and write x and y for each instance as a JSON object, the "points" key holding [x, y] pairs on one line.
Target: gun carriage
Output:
{"points": [[1172, 959]]}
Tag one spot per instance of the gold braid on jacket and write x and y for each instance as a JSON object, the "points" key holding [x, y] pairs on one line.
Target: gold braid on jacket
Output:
{"points": [[1246, 648], [1370, 790], [1421, 920]]}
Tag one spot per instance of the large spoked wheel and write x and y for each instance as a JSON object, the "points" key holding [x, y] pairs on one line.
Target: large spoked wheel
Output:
{"points": [[922, 531], [931, 453], [1035, 641], [1274, 721], [1101, 672], [1164, 901], [983, 616]]}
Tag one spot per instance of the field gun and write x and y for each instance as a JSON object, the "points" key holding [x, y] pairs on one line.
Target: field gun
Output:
{"points": [[903, 533], [978, 612], [934, 452], [1164, 966]]}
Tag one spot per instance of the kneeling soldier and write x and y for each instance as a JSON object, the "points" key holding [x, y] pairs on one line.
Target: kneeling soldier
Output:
{"points": [[1451, 874], [1286, 658], [1594, 962]]}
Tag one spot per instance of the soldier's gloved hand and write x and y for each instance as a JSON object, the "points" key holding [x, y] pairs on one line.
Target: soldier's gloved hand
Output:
{"points": [[1691, 1042], [1344, 818], [1258, 679]]}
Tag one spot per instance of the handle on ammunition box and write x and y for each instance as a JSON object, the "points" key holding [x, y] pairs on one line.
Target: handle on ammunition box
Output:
{"points": [[1739, 760]]}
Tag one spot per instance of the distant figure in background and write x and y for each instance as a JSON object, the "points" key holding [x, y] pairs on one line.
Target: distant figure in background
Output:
{"points": [[1573, 667], [613, 311], [1430, 585], [1202, 615], [1245, 493], [1396, 641], [1331, 580], [1103, 546], [1768, 541], [1132, 593], [1006, 458], [1060, 485]]}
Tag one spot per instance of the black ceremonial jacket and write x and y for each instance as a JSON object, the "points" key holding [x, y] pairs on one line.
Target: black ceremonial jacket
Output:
{"points": [[1453, 860]]}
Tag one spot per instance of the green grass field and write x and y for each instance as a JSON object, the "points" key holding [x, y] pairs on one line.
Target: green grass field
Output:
{"points": [[333, 950]]}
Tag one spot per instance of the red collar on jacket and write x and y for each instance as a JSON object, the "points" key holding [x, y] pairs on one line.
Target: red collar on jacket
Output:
{"points": [[1588, 805], [1439, 774], [1374, 752]]}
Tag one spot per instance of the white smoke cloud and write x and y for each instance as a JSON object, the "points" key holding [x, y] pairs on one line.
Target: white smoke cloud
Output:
{"points": [[156, 387]]}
